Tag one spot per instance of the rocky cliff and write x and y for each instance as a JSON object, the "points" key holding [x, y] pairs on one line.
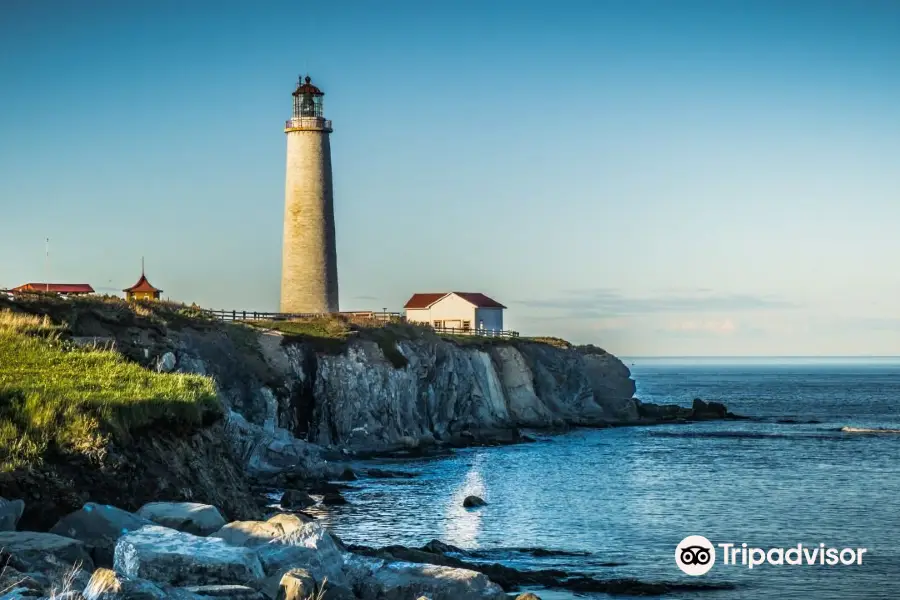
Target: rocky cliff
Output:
{"points": [[359, 399]]}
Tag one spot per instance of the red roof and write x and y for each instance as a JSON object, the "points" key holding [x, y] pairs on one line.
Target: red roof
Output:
{"points": [[420, 301], [59, 288], [142, 286], [307, 88]]}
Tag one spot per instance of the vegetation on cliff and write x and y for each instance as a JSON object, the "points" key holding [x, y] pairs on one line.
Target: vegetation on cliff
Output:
{"points": [[56, 395]]}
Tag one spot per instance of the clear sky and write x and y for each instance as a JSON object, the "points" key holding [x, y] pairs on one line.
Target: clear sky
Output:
{"points": [[664, 177]]}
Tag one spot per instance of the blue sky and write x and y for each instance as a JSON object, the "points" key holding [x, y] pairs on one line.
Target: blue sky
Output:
{"points": [[655, 177]]}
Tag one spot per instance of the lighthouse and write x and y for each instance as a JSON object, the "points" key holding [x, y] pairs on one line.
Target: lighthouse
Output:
{"points": [[309, 279]]}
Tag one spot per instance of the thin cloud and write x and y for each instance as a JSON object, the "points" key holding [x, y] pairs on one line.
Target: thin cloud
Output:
{"points": [[610, 301]]}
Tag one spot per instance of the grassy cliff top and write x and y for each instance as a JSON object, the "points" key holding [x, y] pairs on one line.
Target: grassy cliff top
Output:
{"points": [[57, 396]]}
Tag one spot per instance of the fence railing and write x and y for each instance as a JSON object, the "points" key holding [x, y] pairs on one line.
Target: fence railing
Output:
{"points": [[253, 315], [476, 332], [308, 123]]}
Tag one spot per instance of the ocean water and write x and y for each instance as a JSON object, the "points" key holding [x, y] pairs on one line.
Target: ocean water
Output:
{"points": [[627, 496]]}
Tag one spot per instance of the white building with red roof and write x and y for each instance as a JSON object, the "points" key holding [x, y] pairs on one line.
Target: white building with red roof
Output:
{"points": [[455, 310]]}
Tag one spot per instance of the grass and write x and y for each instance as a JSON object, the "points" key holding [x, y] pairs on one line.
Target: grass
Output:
{"points": [[330, 334], [58, 396]]}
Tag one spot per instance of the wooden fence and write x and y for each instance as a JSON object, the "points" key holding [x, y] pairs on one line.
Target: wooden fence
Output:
{"points": [[476, 332], [253, 315]]}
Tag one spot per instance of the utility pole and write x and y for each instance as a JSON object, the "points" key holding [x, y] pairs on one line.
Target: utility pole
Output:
{"points": [[47, 264]]}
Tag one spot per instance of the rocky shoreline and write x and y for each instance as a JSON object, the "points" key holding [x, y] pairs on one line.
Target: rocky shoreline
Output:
{"points": [[187, 551], [173, 513]]}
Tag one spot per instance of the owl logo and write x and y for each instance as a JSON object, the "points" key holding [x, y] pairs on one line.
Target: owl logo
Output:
{"points": [[695, 555]]}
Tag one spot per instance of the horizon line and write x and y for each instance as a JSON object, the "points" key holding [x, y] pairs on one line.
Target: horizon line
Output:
{"points": [[765, 356]]}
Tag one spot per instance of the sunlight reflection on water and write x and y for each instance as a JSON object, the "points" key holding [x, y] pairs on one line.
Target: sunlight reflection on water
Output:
{"points": [[461, 526]]}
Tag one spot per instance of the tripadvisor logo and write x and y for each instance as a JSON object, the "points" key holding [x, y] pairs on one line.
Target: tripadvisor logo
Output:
{"points": [[696, 555]]}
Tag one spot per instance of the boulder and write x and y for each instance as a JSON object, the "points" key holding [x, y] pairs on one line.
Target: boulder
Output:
{"points": [[10, 513], [334, 498], [255, 533], [347, 475], [708, 410], [11, 579], [19, 593], [295, 584], [402, 581], [473, 501], [39, 552], [224, 592], [106, 584], [99, 526], [177, 558], [166, 363], [285, 542], [190, 517], [296, 499], [528, 596]]}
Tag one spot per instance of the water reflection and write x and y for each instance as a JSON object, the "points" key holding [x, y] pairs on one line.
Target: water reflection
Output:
{"points": [[462, 526]]}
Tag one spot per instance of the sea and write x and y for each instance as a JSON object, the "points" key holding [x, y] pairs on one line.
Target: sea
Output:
{"points": [[620, 500]]}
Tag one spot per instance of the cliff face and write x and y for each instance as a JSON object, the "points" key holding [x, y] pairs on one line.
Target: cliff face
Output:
{"points": [[447, 392]]}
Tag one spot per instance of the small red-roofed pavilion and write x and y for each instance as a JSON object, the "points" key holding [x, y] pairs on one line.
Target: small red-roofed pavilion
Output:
{"points": [[142, 290]]}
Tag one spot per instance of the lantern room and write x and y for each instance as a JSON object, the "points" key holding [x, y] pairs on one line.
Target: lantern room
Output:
{"points": [[307, 100]]}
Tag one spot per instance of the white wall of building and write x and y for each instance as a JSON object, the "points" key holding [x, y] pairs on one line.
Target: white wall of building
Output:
{"points": [[453, 311], [489, 318]]}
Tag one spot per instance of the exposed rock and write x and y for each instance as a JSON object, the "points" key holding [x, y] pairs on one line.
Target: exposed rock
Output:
{"points": [[229, 592], [272, 451], [296, 499], [473, 501], [295, 584], [11, 578], [42, 552], [177, 558], [166, 363], [334, 498], [19, 593], [10, 513], [256, 533], [708, 410], [190, 517], [385, 474], [528, 596], [286, 542], [99, 526], [106, 584], [401, 581], [347, 475]]}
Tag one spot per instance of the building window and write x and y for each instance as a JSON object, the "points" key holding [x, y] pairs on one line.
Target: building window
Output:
{"points": [[467, 325], [438, 324]]}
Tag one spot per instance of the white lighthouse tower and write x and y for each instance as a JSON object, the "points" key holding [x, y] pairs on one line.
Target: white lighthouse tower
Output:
{"points": [[309, 279]]}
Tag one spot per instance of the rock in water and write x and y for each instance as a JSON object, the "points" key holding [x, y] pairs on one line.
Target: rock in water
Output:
{"points": [[347, 475], [401, 581], [177, 558], [333, 498], [190, 517], [473, 501], [99, 526], [528, 596], [296, 499], [10, 513]]}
